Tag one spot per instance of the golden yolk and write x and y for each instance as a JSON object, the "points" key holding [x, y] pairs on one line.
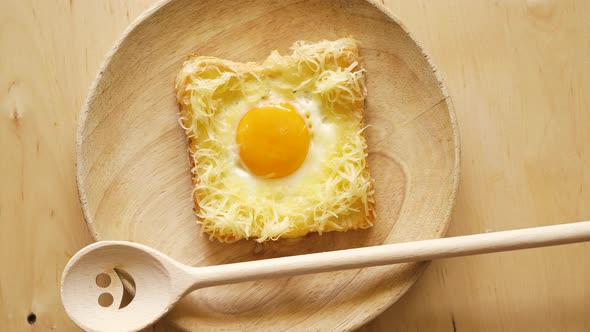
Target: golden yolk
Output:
{"points": [[273, 140]]}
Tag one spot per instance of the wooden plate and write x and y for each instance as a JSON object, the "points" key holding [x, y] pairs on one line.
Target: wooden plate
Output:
{"points": [[133, 170]]}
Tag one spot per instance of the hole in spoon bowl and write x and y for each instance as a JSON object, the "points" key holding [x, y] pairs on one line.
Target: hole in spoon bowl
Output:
{"points": [[128, 287], [105, 300], [103, 280]]}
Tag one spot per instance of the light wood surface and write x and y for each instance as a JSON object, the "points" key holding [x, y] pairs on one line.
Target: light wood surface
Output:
{"points": [[92, 298], [518, 75], [412, 143]]}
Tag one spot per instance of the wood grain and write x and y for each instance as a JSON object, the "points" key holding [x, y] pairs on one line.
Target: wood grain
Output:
{"points": [[518, 74], [50, 52], [412, 142]]}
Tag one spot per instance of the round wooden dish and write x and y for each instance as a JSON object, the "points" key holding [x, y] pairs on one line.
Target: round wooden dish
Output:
{"points": [[133, 170]]}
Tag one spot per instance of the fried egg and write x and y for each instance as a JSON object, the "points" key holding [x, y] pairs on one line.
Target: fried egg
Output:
{"points": [[277, 148]]}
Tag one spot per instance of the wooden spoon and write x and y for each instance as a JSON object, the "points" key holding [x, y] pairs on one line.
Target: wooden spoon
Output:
{"points": [[160, 281]]}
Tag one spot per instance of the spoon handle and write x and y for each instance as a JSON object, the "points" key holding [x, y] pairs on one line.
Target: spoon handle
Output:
{"points": [[392, 254]]}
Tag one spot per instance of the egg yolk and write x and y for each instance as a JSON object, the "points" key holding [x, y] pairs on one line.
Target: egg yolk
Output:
{"points": [[273, 140]]}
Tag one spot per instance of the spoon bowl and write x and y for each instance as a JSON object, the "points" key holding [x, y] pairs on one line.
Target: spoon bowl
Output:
{"points": [[93, 290]]}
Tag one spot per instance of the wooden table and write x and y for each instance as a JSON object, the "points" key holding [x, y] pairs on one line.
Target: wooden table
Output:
{"points": [[519, 76]]}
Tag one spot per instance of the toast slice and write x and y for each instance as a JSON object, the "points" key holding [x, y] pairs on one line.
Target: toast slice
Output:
{"points": [[335, 193]]}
